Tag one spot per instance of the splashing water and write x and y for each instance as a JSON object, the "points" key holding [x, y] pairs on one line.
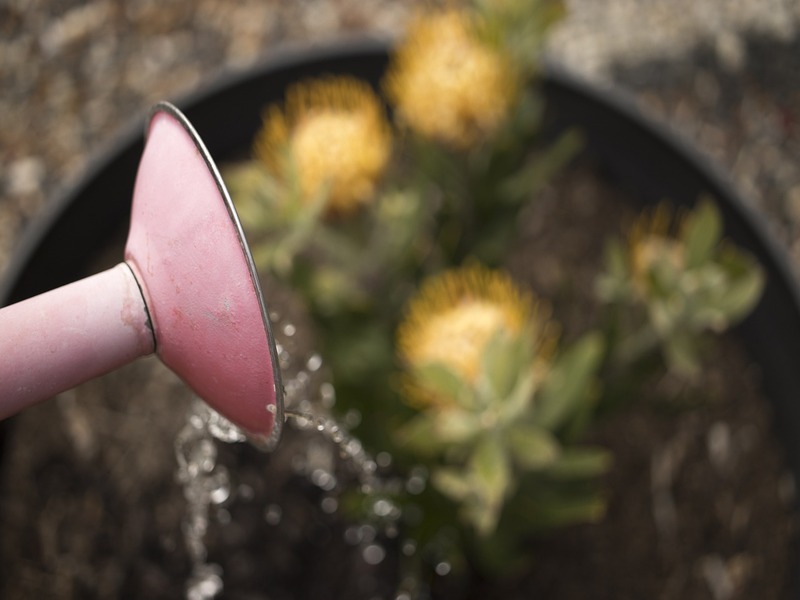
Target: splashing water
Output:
{"points": [[210, 489], [205, 483]]}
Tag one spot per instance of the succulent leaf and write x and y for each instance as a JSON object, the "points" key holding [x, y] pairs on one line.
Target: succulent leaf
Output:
{"points": [[580, 462], [570, 382], [701, 234], [533, 448]]}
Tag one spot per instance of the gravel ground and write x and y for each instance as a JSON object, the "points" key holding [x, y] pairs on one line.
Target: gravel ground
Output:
{"points": [[725, 73]]}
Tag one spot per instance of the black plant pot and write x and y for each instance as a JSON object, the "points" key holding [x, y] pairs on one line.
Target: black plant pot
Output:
{"points": [[634, 152]]}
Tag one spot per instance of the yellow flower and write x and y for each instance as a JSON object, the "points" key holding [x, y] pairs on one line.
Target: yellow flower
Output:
{"points": [[331, 132], [448, 83], [651, 244], [455, 314]]}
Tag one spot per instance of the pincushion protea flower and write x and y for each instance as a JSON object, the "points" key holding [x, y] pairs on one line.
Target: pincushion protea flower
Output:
{"points": [[455, 315], [677, 279], [448, 83], [651, 244], [331, 135], [480, 367]]}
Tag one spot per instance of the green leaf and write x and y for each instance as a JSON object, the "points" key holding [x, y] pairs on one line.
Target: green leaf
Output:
{"points": [[533, 447], [615, 260], [438, 379], [581, 463], [538, 170], [518, 402], [455, 426], [588, 508], [359, 351], [701, 233], [570, 382], [504, 359], [490, 468], [250, 184], [419, 436], [681, 354], [453, 483], [490, 473], [742, 294], [613, 284], [482, 515], [334, 291]]}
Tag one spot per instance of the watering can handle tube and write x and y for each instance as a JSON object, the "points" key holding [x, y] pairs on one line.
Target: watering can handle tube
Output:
{"points": [[55, 341]]}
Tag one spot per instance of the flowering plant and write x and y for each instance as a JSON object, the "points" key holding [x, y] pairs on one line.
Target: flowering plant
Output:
{"points": [[394, 231]]}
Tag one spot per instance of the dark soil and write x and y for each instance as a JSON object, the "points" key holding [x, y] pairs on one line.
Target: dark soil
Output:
{"points": [[699, 504]]}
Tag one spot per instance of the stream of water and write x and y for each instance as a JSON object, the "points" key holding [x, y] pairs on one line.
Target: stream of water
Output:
{"points": [[210, 487]]}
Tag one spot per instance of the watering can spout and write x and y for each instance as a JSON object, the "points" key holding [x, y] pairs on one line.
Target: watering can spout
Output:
{"points": [[187, 290]]}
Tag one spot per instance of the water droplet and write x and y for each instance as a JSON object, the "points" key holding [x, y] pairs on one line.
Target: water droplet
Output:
{"points": [[383, 508], [198, 456], [223, 516], [314, 363], [222, 429], [301, 422], [298, 462], [289, 330], [205, 583], [352, 535], [415, 485], [352, 419], [417, 481], [384, 459], [272, 409], [367, 533], [329, 505], [373, 554], [327, 394], [443, 568], [273, 514], [245, 492], [323, 479], [352, 447], [219, 494]]}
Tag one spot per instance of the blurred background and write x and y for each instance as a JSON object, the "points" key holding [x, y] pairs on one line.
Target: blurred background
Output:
{"points": [[724, 74]]}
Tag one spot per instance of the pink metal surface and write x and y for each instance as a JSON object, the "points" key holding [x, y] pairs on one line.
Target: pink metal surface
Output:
{"points": [[187, 250], [57, 340], [188, 291]]}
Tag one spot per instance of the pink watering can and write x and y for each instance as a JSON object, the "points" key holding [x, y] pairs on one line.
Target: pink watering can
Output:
{"points": [[187, 291]]}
